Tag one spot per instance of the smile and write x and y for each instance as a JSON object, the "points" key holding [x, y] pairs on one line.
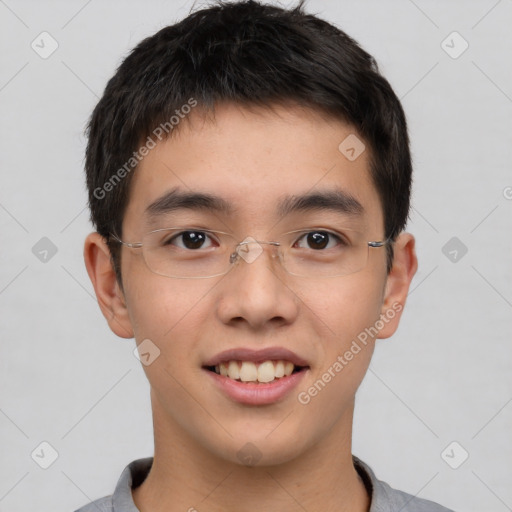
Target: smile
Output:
{"points": [[256, 377], [249, 371]]}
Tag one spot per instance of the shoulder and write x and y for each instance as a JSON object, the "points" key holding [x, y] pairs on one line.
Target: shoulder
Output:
{"points": [[121, 500], [399, 500], [101, 505], [386, 499]]}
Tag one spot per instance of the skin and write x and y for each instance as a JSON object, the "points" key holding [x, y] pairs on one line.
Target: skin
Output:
{"points": [[252, 159]]}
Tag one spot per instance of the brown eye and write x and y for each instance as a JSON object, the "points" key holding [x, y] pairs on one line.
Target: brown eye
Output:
{"points": [[190, 240], [318, 240]]}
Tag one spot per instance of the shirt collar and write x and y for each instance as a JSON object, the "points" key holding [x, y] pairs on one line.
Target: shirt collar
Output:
{"points": [[132, 476]]}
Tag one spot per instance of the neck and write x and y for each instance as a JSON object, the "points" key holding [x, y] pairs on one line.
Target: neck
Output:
{"points": [[186, 477]]}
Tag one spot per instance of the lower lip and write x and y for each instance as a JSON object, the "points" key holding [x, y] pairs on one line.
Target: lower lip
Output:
{"points": [[250, 393]]}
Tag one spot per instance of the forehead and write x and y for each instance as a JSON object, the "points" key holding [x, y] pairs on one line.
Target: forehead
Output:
{"points": [[256, 160]]}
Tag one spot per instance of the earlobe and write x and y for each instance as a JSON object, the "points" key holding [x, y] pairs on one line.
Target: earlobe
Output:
{"points": [[398, 282], [108, 292]]}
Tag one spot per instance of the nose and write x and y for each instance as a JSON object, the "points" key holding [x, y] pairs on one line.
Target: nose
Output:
{"points": [[255, 292]]}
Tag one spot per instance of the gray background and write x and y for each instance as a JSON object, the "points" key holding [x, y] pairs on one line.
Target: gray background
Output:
{"points": [[445, 376]]}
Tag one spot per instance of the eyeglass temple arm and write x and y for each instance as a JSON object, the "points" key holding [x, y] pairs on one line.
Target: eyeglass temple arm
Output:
{"points": [[379, 244], [134, 245]]}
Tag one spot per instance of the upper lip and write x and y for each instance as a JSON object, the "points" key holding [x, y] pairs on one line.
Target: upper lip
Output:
{"points": [[256, 356]]}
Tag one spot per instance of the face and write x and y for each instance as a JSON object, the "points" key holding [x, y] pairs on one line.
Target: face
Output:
{"points": [[256, 314]]}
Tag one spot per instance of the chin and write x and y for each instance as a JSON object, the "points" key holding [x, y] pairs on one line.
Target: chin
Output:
{"points": [[254, 449]]}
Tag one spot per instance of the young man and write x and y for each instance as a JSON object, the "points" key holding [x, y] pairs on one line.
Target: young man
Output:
{"points": [[249, 178]]}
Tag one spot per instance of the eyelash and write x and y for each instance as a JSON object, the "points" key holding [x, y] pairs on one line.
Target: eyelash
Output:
{"points": [[337, 237]]}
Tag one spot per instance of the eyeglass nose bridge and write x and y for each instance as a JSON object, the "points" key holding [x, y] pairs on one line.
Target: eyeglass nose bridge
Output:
{"points": [[243, 249]]}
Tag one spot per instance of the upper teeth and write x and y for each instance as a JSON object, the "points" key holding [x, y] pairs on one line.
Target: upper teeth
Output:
{"points": [[247, 371]]}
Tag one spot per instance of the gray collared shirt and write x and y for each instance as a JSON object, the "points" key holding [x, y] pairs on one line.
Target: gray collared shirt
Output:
{"points": [[383, 497]]}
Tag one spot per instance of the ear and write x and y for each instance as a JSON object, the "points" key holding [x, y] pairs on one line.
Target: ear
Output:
{"points": [[108, 292], [398, 281]]}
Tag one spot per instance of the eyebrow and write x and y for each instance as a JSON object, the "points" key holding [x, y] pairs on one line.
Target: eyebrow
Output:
{"points": [[178, 200], [335, 200]]}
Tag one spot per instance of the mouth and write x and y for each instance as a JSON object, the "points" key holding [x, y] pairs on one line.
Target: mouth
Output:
{"points": [[262, 372], [256, 377]]}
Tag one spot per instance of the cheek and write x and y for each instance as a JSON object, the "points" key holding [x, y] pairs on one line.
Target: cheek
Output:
{"points": [[167, 311], [356, 310], [172, 314], [345, 315], [345, 306]]}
